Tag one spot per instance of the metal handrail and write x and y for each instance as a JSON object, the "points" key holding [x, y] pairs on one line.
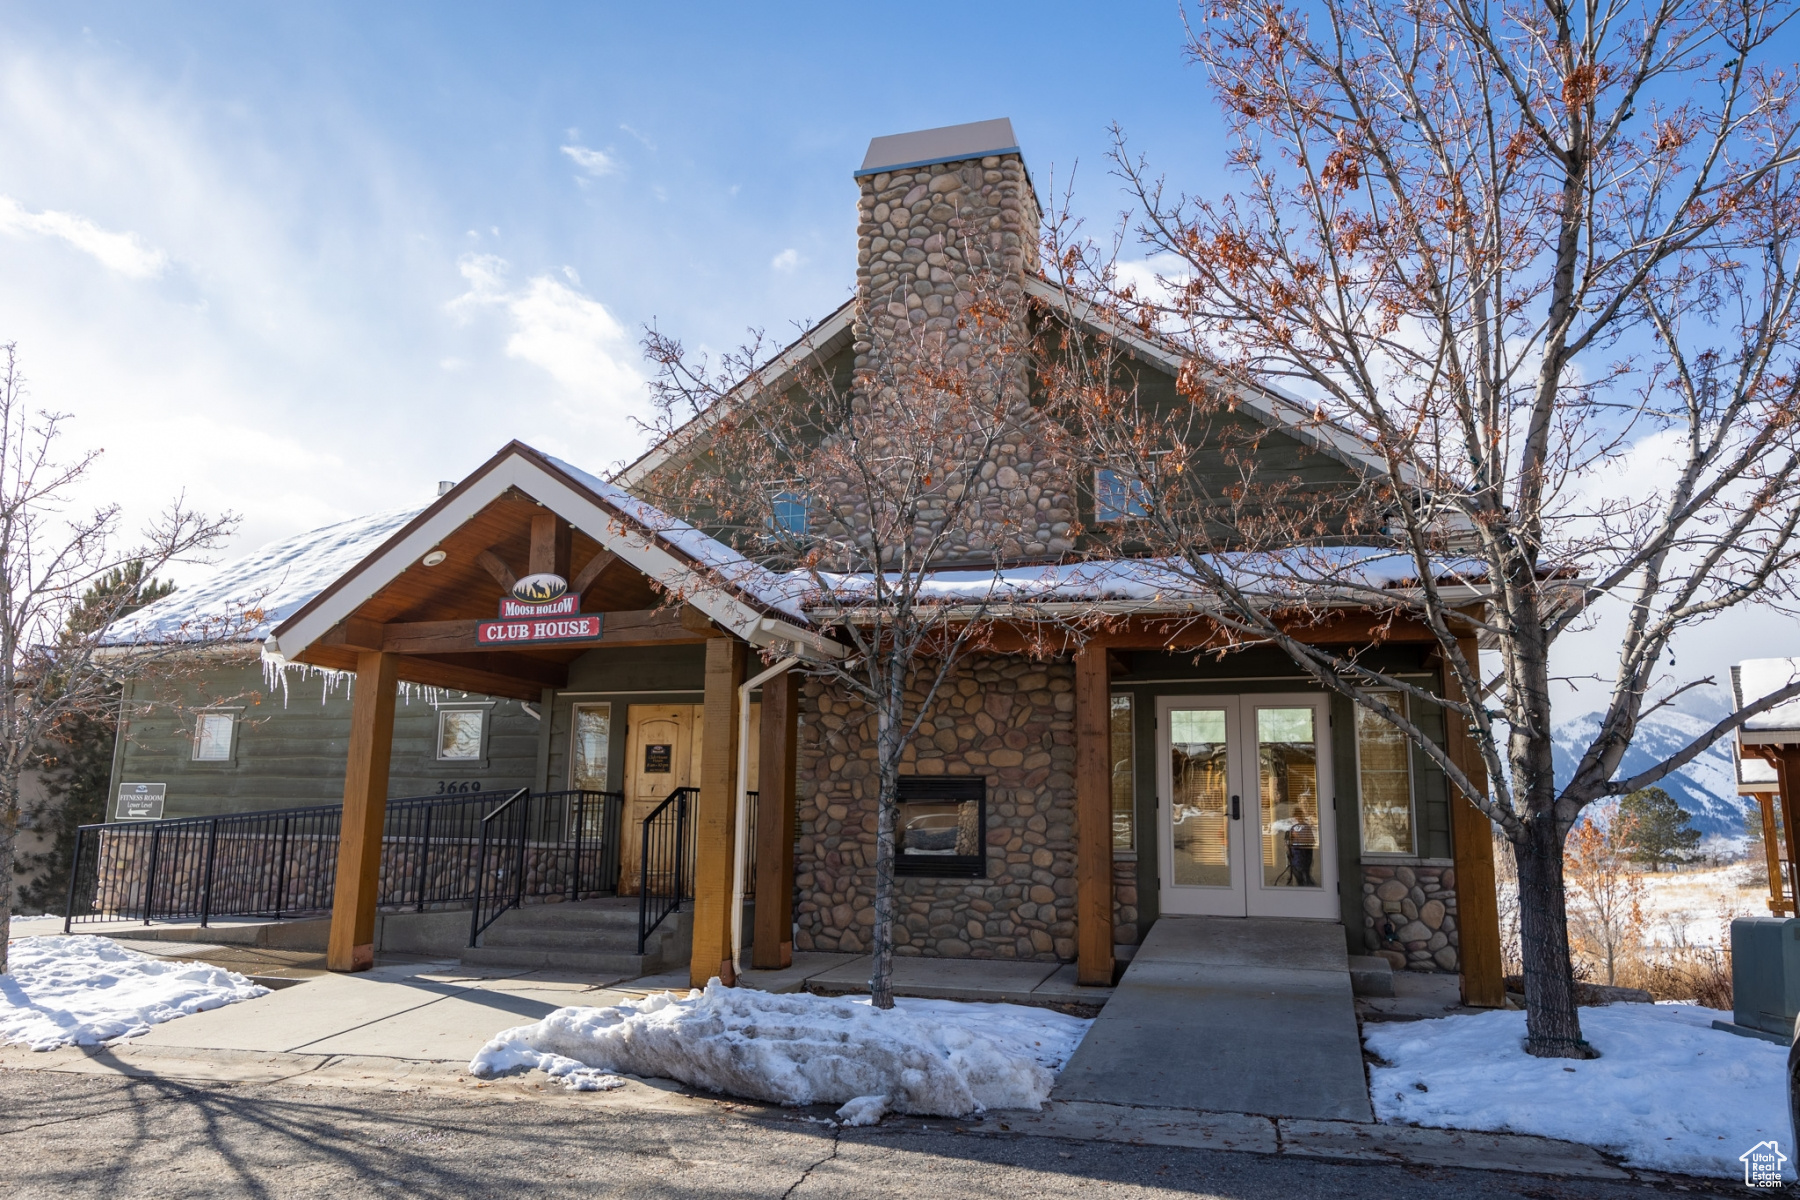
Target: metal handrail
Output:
{"points": [[664, 860], [521, 819], [281, 863]]}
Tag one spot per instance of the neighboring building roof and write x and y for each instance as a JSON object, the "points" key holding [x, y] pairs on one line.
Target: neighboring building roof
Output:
{"points": [[245, 598], [1755, 678]]}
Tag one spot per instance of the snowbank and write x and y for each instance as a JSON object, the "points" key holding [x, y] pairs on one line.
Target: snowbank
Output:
{"points": [[1669, 1092], [939, 1057], [83, 991]]}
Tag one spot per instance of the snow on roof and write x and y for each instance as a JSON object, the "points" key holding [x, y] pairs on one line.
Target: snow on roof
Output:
{"points": [[260, 590], [779, 592], [1756, 678], [1270, 573]]}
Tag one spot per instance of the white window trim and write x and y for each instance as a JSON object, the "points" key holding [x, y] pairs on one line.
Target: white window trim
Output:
{"points": [[1412, 789], [575, 736], [437, 745], [235, 712]]}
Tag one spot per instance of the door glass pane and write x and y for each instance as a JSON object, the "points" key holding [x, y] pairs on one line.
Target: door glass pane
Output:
{"points": [[593, 732], [1383, 760], [1200, 820], [1287, 765]]}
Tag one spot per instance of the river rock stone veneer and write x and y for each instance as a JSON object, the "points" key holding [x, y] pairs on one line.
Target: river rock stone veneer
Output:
{"points": [[1009, 720], [1418, 905]]}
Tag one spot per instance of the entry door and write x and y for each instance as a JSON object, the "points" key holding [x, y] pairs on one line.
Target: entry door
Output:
{"points": [[662, 753], [1244, 800]]}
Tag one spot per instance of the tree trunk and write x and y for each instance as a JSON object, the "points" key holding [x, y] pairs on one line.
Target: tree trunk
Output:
{"points": [[881, 940], [9, 836], [1552, 1026]]}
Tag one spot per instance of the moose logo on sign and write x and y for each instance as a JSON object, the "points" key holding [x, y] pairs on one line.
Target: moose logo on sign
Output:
{"points": [[540, 588]]}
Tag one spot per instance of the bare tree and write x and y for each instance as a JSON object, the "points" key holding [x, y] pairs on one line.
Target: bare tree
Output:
{"points": [[1609, 909], [1537, 264], [865, 490], [52, 668]]}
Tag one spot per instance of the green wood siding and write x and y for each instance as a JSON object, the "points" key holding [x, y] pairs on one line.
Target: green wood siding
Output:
{"points": [[291, 751]]}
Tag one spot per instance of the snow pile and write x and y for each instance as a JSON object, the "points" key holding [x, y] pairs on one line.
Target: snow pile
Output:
{"points": [[83, 991], [1669, 1092], [938, 1057]]}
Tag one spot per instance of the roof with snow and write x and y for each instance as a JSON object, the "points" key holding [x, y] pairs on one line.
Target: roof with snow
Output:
{"points": [[1755, 678], [249, 596]]}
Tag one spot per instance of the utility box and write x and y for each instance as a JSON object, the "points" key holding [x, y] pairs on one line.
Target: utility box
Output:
{"points": [[1765, 973]]}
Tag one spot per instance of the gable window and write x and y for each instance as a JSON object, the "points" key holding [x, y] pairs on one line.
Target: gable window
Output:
{"points": [[212, 736], [592, 732], [1117, 497], [942, 826], [459, 734], [1384, 770], [789, 513]]}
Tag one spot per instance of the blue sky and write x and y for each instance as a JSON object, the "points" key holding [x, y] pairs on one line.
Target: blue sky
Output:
{"points": [[304, 261]]}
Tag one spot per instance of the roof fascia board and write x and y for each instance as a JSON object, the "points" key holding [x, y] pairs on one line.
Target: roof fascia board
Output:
{"points": [[544, 484], [772, 375]]}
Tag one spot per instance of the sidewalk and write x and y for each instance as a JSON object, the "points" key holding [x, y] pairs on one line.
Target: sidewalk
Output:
{"points": [[414, 1026]]}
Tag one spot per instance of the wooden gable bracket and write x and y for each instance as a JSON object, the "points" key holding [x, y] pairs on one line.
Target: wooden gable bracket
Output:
{"points": [[494, 565]]}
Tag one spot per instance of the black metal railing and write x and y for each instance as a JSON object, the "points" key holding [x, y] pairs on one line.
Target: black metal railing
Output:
{"points": [[500, 862], [282, 863], [665, 862]]}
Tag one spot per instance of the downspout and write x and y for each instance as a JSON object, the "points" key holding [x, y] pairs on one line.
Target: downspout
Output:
{"points": [[740, 855]]}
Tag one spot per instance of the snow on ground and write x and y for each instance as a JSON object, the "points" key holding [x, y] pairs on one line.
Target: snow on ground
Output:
{"points": [[84, 991], [937, 1057], [1694, 907], [1668, 1091]]}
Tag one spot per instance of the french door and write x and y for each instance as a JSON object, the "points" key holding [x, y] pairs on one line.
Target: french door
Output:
{"points": [[1245, 804]]}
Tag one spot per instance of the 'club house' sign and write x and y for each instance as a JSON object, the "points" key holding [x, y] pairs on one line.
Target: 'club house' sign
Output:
{"points": [[540, 609]]}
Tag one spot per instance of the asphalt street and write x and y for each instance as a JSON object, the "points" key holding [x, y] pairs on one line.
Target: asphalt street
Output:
{"points": [[65, 1135]]}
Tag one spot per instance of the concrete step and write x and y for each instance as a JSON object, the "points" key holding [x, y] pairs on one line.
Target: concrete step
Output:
{"points": [[606, 939], [587, 914], [616, 965]]}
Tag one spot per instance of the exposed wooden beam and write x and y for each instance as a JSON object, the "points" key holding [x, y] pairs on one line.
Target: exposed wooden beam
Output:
{"points": [[1093, 820], [465, 677], [714, 827], [494, 565], [549, 545], [596, 566], [695, 621], [350, 946], [1472, 847], [634, 627], [772, 946]]}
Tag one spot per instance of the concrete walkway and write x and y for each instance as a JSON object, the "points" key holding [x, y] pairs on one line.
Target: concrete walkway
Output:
{"points": [[1229, 1015]]}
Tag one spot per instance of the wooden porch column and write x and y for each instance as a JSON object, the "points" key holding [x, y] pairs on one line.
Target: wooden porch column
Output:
{"points": [[1472, 846], [1787, 778], [351, 946], [777, 764], [1778, 897], [714, 814], [1093, 818]]}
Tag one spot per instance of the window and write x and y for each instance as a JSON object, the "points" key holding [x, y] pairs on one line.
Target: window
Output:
{"points": [[789, 513], [1124, 824], [592, 729], [459, 733], [942, 826], [1117, 497], [1384, 770], [212, 736]]}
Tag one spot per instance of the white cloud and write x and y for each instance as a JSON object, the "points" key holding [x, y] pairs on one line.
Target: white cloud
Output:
{"points": [[786, 261], [121, 252], [568, 334], [594, 162]]}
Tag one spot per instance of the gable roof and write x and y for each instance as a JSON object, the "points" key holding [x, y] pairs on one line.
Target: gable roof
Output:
{"points": [[251, 595], [737, 594]]}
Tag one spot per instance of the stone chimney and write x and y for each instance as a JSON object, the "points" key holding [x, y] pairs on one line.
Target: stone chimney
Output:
{"points": [[944, 216]]}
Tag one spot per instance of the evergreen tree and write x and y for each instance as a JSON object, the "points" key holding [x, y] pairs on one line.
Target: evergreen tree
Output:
{"points": [[1661, 833], [76, 758]]}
